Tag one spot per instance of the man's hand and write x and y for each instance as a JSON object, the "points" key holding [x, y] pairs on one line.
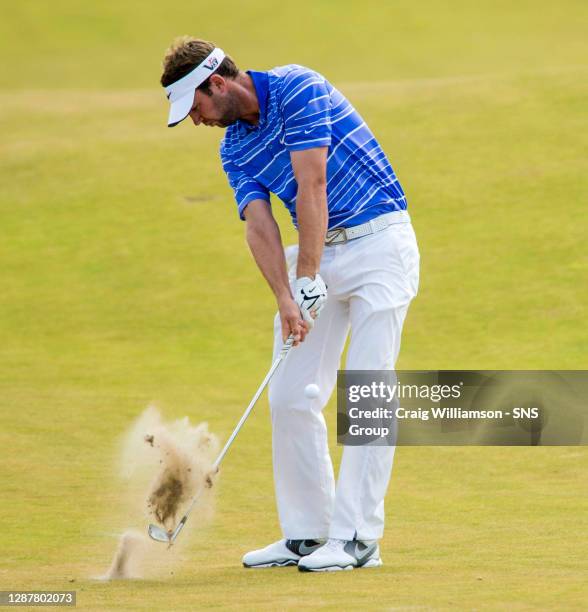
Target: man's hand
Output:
{"points": [[292, 322], [311, 296]]}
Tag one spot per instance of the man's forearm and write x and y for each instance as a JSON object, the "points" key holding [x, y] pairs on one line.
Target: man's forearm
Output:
{"points": [[312, 215], [266, 246]]}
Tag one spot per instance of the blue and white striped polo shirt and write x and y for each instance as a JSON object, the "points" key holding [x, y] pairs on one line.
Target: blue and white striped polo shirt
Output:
{"points": [[299, 109]]}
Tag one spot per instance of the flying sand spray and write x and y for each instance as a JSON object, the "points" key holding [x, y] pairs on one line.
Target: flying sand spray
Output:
{"points": [[180, 455]]}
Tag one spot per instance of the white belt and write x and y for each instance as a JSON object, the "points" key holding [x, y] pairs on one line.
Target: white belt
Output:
{"points": [[340, 235]]}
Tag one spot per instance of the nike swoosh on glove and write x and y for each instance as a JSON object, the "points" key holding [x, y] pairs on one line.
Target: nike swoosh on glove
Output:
{"points": [[311, 296]]}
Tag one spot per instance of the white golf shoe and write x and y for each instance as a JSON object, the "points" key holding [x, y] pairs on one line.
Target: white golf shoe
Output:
{"points": [[342, 555], [280, 554]]}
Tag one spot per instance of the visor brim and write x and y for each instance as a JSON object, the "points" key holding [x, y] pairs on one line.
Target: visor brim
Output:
{"points": [[180, 109]]}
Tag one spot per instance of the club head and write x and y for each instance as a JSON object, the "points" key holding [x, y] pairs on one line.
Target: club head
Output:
{"points": [[158, 534]]}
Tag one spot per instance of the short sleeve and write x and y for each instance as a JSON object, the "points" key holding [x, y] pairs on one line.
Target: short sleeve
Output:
{"points": [[245, 188], [306, 109]]}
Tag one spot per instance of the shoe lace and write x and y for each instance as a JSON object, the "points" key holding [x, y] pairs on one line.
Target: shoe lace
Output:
{"points": [[334, 544]]}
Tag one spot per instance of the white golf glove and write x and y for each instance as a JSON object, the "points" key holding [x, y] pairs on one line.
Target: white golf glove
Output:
{"points": [[311, 296]]}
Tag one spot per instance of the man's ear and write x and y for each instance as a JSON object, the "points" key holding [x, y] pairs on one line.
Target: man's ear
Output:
{"points": [[220, 83]]}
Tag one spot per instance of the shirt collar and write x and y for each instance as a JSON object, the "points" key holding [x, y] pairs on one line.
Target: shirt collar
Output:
{"points": [[261, 84]]}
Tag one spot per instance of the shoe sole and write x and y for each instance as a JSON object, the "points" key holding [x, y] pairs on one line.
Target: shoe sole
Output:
{"points": [[336, 568], [287, 563], [371, 563]]}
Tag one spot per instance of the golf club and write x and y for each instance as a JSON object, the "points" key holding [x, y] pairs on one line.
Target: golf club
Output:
{"points": [[161, 535]]}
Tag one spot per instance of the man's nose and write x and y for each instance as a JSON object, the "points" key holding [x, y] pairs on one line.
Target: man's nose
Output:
{"points": [[196, 118]]}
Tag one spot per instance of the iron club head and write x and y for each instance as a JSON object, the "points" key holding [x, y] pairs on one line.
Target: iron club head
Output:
{"points": [[158, 534]]}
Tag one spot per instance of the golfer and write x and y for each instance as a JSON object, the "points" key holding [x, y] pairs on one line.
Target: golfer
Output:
{"points": [[356, 268]]}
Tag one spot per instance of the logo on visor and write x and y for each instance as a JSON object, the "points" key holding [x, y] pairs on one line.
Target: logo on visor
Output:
{"points": [[211, 64]]}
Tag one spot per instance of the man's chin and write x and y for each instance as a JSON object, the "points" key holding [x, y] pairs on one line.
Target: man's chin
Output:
{"points": [[226, 123]]}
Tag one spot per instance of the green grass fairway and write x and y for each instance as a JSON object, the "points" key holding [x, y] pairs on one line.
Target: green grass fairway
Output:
{"points": [[126, 279]]}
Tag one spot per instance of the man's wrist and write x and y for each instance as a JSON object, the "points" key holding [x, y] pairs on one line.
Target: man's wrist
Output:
{"points": [[284, 296], [305, 270]]}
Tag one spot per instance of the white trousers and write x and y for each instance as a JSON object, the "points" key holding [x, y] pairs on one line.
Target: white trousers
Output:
{"points": [[371, 281]]}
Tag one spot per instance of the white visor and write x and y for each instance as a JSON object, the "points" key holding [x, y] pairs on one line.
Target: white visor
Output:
{"points": [[181, 93]]}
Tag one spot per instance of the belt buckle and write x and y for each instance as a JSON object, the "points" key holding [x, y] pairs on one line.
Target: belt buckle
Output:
{"points": [[335, 233]]}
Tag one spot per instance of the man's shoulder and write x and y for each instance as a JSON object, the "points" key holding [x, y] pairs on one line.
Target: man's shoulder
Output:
{"points": [[288, 82], [284, 76], [290, 69]]}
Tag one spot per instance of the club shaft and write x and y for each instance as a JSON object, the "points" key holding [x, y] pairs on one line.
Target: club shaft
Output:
{"points": [[246, 413]]}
